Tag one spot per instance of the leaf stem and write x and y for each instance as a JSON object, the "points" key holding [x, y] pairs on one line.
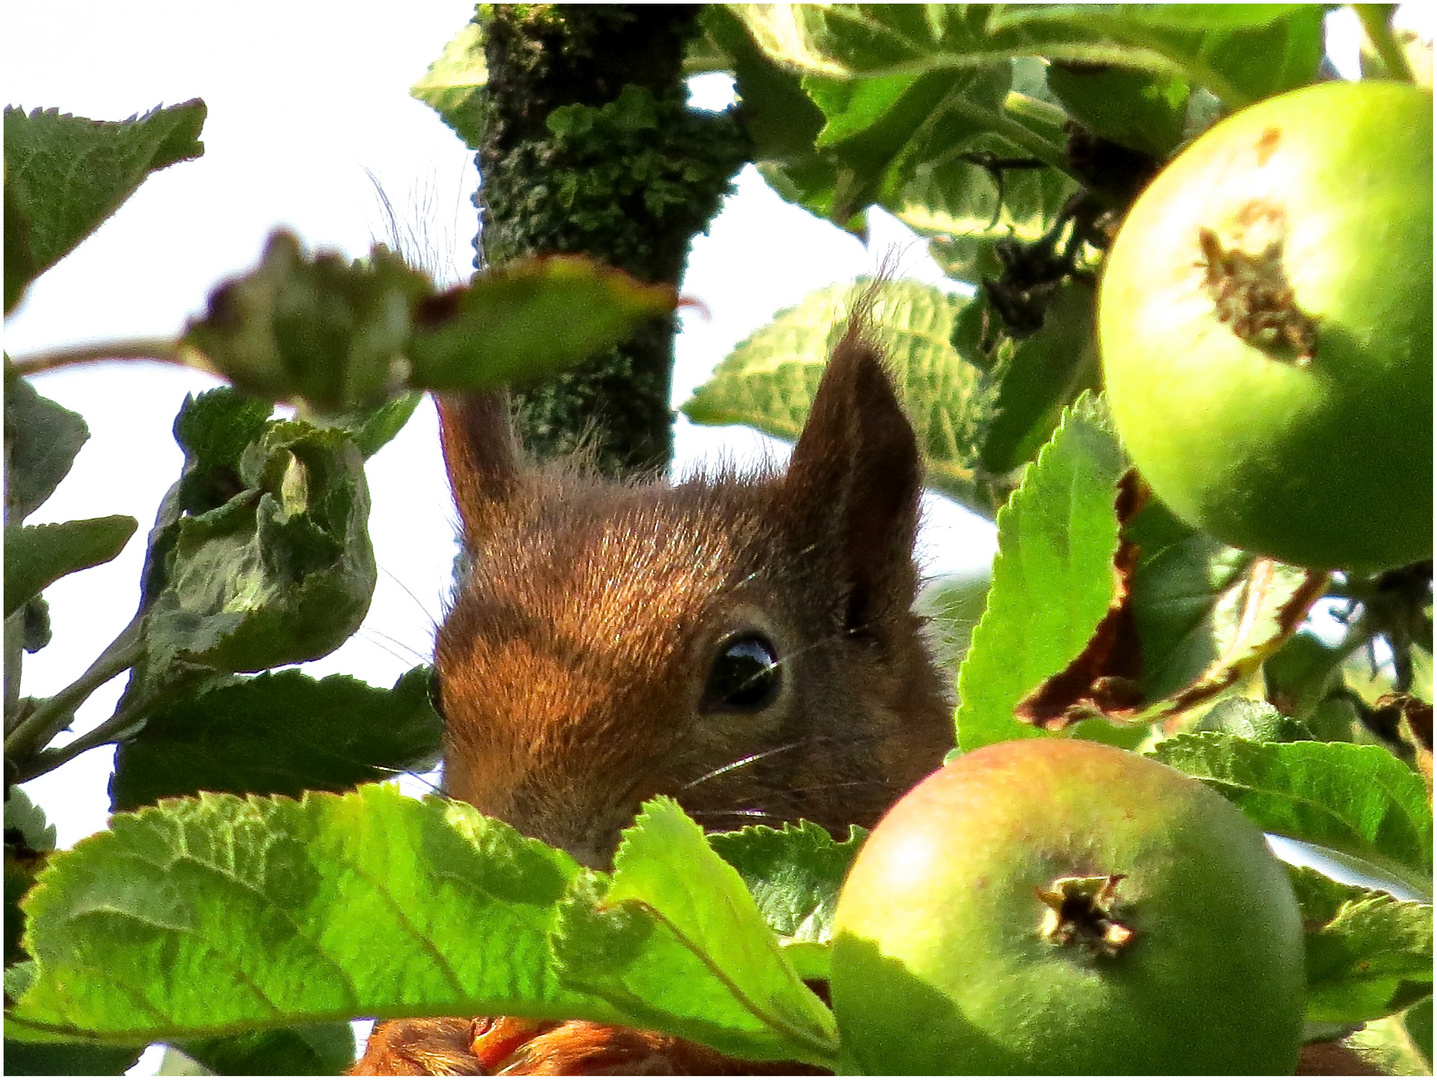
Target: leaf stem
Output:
{"points": [[14, 657], [54, 714], [163, 350], [112, 730], [1376, 22]]}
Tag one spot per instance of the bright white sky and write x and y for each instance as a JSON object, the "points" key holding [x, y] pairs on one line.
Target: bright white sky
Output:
{"points": [[303, 99]]}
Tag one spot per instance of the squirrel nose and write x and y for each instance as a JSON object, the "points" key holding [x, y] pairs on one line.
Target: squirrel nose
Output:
{"points": [[594, 856], [572, 821]]}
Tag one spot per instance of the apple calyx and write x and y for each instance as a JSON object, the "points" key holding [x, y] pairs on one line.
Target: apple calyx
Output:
{"points": [[1082, 911], [1253, 297]]}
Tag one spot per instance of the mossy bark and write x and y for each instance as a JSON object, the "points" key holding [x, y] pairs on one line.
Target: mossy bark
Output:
{"points": [[589, 146]]}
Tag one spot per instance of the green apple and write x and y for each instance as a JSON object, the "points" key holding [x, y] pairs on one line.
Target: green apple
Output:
{"points": [[1058, 906], [1265, 324]]}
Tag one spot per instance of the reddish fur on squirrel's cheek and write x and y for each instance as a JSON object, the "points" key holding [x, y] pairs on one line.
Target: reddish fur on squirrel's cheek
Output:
{"points": [[566, 683], [561, 746]]}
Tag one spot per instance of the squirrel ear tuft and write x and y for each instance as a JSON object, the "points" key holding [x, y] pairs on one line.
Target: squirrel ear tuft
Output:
{"points": [[481, 456], [855, 478]]}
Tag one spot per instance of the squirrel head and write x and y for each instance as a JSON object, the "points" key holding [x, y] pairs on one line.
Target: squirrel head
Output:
{"points": [[743, 643]]}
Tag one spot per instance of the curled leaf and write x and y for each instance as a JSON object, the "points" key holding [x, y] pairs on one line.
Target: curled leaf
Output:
{"points": [[267, 560]]}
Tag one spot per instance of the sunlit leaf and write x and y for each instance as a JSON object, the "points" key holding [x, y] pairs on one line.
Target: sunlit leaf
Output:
{"points": [[1367, 953], [742, 995], [1359, 801], [1053, 578], [278, 904], [768, 381], [454, 82]]}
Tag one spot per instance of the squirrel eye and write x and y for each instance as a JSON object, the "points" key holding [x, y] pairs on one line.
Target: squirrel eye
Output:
{"points": [[745, 674]]}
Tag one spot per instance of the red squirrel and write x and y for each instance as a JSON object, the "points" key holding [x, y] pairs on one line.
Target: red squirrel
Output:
{"points": [[744, 643]]}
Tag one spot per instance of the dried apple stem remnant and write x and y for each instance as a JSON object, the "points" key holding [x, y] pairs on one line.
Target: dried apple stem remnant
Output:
{"points": [[1083, 911], [1251, 293]]}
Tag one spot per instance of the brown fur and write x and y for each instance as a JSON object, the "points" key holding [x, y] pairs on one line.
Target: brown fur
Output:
{"points": [[573, 665]]}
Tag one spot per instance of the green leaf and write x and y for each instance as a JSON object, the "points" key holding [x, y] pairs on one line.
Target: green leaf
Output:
{"points": [[208, 916], [68, 1059], [278, 905], [41, 441], [65, 175], [453, 86], [1241, 53], [315, 1050], [946, 159], [883, 134], [1197, 16], [1302, 675], [839, 40], [280, 733], [214, 430], [970, 187], [768, 381], [315, 328], [1136, 109], [1207, 614], [1368, 954], [1417, 1027], [372, 432], [906, 128], [777, 115], [34, 621], [25, 820], [1052, 576], [267, 560], [19, 259], [794, 873], [38, 555], [526, 319], [1037, 377], [812, 183], [915, 96], [1253, 720], [28, 839], [1397, 1045], [705, 964], [1359, 801]]}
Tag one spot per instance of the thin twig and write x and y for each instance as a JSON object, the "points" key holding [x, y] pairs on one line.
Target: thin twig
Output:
{"points": [[112, 730], [53, 714], [1377, 27], [163, 350]]}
